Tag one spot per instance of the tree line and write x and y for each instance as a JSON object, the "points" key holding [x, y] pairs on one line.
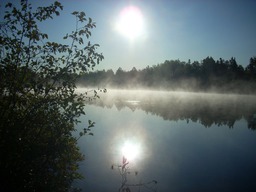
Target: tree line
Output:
{"points": [[208, 75]]}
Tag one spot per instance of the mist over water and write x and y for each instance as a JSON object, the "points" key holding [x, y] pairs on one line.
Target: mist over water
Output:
{"points": [[187, 141], [205, 108]]}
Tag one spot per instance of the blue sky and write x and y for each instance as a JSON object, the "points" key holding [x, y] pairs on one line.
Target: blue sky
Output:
{"points": [[173, 29]]}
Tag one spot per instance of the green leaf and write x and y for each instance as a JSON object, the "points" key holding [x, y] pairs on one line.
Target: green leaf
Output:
{"points": [[8, 5], [65, 37], [74, 13]]}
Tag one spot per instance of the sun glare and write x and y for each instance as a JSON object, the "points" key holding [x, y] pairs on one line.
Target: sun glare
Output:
{"points": [[130, 22], [130, 150]]}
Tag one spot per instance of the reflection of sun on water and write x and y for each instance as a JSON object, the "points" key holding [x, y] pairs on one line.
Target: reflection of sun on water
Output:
{"points": [[131, 150], [128, 142]]}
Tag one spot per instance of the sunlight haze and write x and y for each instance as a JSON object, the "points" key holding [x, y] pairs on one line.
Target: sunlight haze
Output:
{"points": [[162, 30]]}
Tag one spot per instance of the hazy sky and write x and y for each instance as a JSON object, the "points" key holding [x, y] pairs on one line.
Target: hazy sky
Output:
{"points": [[167, 29]]}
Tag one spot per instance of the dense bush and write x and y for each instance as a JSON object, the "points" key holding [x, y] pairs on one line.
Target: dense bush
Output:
{"points": [[39, 106]]}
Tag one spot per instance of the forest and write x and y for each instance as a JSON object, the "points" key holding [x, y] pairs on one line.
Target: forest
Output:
{"points": [[223, 76]]}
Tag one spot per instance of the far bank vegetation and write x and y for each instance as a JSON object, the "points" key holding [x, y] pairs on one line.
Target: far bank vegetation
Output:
{"points": [[224, 76]]}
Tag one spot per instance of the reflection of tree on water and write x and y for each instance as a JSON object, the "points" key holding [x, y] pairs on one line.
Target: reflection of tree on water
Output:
{"points": [[252, 122], [37, 156], [207, 109], [124, 171]]}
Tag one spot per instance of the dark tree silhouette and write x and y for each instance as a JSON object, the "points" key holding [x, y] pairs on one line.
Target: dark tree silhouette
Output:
{"points": [[223, 76], [39, 106]]}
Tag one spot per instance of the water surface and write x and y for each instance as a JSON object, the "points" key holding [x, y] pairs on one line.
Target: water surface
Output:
{"points": [[185, 142]]}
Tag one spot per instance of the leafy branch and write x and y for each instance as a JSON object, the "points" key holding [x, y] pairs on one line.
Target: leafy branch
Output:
{"points": [[124, 171]]}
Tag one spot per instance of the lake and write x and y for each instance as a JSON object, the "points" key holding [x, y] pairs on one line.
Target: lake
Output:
{"points": [[169, 141]]}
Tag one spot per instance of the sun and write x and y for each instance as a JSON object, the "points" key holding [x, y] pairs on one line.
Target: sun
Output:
{"points": [[130, 22]]}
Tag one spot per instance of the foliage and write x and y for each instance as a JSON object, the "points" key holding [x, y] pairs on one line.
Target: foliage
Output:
{"points": [[39, 104], [124, 170], [207, 75]]}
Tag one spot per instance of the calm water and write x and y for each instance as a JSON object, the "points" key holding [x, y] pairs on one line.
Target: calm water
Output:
{"points": [[179, 142]]}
